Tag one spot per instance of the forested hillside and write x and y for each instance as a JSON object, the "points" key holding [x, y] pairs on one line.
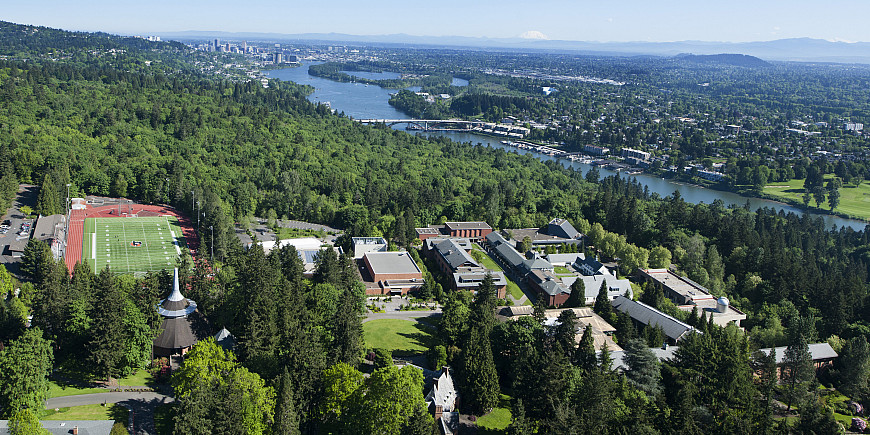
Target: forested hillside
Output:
{"points": [[243, 150]]}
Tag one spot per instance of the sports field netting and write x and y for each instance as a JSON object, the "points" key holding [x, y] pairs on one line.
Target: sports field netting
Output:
{"points": [[132, 245]]}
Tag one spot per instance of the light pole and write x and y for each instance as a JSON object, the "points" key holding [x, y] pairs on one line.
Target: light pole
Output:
{"points": [[67, 199], [167, 191], [211, 227], [198, 208]]}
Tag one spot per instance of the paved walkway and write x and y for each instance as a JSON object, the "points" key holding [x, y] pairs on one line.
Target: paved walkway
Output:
{"points": [[406, 315], [141, 406]]}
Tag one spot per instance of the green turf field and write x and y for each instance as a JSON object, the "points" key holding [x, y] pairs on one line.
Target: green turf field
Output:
{"points": [[110, 241]]}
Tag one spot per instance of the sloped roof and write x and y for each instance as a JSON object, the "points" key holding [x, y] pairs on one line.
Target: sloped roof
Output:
{"points": [[509, 254], [549, 283], [443, 392], [643, 313], [225, 339], [661, 354], [175, 333], [592, 284], [818, 351], [562, 228], [454, 255], [495, 238]]}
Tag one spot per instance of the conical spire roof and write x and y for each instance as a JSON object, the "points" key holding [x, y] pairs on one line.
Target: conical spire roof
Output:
{"points": [[176, 305]]}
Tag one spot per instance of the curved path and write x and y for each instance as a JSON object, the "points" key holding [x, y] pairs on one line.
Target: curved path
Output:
{"points": [[141, 406]]}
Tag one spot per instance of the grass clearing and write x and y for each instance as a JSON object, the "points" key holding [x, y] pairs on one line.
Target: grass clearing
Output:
{"points": [[498, 419], [853, 200], [132, 245], [484, 259], [89, 412], [60, 389], [402, 337], [514, 290], [563, 270], [140, 378]]}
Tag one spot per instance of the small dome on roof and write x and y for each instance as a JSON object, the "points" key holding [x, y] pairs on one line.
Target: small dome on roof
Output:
{"points": [[723, 301]]}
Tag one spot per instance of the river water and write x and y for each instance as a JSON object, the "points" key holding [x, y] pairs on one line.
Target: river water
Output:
{"points": [[371, 102]]}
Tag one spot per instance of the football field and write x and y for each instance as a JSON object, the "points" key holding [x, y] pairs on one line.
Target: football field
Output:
{"points": [[132, 245]]}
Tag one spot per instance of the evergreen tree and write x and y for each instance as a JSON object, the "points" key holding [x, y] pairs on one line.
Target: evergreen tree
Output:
{"points": [[577, 298], [483, 308], [643, 369], [106, 351], [48, 202], [539, 309], [520, 425], [585, 355], [347, 331], [479, 385], [564, 333], [286, 419], [797, 372], [852, 368], [603, 306]]}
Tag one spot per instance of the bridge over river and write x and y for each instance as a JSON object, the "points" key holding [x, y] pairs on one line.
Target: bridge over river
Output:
{"points": [[427, 124]]}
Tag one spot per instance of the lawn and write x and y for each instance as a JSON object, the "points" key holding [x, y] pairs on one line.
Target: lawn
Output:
{"points": [[514, 290], [138, 379], [563, 270], [59, 389], [853, 200], [89, 412], [485, 260], [402, 337], [132, 245], [498, 420]]}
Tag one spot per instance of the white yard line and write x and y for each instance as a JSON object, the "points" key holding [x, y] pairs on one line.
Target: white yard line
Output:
{"points": [[145, 241], [94, 245], [126, 251]]}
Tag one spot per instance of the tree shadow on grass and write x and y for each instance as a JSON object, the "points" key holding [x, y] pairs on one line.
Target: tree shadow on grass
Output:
{"points": [[424, 338]]}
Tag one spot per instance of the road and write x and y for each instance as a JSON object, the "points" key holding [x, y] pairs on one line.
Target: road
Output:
{"points": [[141, 406], [406, 315]]}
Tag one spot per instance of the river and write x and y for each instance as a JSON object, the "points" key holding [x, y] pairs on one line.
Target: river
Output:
{"points": [[371, 102]]}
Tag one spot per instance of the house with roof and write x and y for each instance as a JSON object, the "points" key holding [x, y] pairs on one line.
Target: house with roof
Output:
{"points": [[453, 258], [592, 285], [442, 400], [549, 287], [645, 315], [688, 295], [394, 273], [225, 339], [557, 232], [475, 231], [822, 354]]}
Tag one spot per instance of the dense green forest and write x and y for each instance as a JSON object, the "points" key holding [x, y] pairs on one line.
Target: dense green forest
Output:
{"points": [[159, 135]]}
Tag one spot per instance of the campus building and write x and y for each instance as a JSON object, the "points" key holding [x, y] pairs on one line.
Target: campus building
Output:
{"points": [[394, 273]]}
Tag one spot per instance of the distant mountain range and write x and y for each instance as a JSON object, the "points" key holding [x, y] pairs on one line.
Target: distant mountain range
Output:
{"points": [[795, 49]]}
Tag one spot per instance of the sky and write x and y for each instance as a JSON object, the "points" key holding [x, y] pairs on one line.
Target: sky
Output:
{"points": [[578, 20]]}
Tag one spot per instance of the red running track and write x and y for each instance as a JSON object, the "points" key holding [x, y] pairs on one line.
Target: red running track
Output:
{"points": [[75, 237]]}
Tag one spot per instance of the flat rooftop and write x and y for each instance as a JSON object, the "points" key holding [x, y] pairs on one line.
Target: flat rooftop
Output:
{"points": [[685, 287], [391, 262], [427, 230], [369, 241]]}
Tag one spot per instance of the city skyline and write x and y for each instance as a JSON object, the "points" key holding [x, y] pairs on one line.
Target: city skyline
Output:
{"points": [[681, 20]]}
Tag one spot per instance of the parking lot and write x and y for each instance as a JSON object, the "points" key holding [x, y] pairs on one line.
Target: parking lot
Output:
{"points": [[13, 238]]}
